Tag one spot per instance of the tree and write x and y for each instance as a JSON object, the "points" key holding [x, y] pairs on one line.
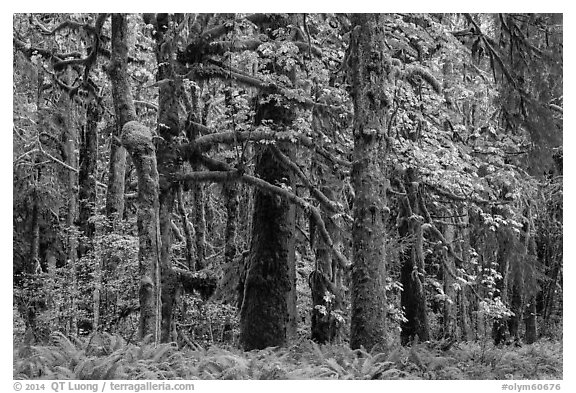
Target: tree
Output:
{"points": [[369, 85]]}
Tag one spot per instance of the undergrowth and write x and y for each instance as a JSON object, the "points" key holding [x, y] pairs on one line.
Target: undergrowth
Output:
{"points": [[105, 356]]}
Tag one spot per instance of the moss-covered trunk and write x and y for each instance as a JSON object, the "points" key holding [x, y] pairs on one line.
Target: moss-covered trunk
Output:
{"points": [[264, 316], [125, 112], [137, 139], [367, 62]]}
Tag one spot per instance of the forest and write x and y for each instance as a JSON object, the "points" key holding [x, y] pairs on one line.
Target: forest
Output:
{"points": [[287, 196]]}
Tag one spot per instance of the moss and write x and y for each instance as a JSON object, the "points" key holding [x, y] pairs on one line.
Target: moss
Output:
{"points": [[136, 137]]}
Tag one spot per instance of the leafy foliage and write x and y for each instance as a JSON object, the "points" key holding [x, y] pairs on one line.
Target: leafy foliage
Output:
{"points": [[104, 356]]}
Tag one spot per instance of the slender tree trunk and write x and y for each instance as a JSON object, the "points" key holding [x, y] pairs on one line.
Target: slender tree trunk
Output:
{"points": [[367, 59], [230, 192], [70, 134], [87, 198], [137, 139], [87, 175], [499, 328], [530, 315], [125, 112], [188, 232], [413, 298], [530, 321], [450, 303], [464, 316], [168, 163], [322, 282], [199, 223]]}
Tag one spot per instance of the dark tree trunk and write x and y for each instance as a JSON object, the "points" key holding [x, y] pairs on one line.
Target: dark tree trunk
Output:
{"points": [[264, 316], [230, 192], [199, 223], [137, 139], [87, 199], [87, 175], [367, 59], [268, 312], [412, 273], [530, 322], [516, 308]]}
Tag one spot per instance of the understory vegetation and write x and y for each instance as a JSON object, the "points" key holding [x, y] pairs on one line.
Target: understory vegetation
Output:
{"points": [[105, 356]]}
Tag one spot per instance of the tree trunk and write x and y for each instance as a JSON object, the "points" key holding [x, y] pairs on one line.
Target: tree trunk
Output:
{"points": [[450, 303], [322, 282], [367, 59], [87, 198], [530, 322], [137, 139], [230, 192], [125, 112], [463, 312], [264, 316], [188, 235], [199, 223], [268, 312], [412, 273], [168, 163], [87, 175]]}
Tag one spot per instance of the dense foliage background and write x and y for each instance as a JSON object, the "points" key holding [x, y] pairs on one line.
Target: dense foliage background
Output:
{"points": [[295, 184]]}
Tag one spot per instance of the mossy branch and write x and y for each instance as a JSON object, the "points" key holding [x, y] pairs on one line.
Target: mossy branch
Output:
{"points": [[414, 70], [234, 175]]}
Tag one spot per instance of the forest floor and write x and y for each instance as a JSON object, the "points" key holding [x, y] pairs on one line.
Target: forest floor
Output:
{"points": [[104, 356]]}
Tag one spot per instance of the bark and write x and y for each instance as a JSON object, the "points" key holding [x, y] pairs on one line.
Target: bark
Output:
{"points": [[322, 283], [188, 232], [450, 304], [268, 313], [530, 322], [87, 198], [412, 273], [124, 111], [464, 316], [137, 139], [199, 223], [530, 315], [168, 163], [368, 80], [500, 325], [87, 174], [168, 280], [69, 131], [230, 192], [265, 312]]}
